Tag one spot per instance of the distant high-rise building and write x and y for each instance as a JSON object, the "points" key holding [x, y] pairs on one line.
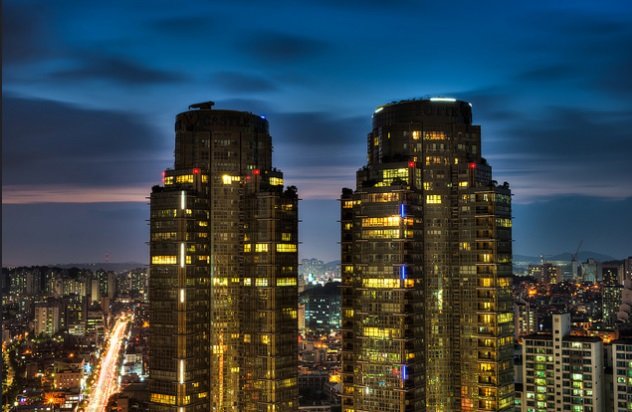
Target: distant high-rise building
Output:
{"points": [[426, 263], [611, 293], [562, 372], [223, 275], [47, 318]]}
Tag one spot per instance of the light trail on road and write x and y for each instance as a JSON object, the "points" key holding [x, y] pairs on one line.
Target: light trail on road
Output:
{"points": [[107, 382]]}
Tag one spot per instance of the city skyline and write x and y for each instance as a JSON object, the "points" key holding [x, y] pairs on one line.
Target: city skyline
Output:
{"points": [[90, 92]]}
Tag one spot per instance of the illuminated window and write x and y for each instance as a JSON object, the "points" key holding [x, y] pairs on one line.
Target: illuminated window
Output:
{"points": [[265, 339], [465, 246], [286, 282], [247, 247], [285, 247], [184, 179], [228, 179], [416, 134], [168, 180], [286, 237], [164, 260], [261, 282], [381, 221], [381, 234], [380, 283], [261, 247], [276, 181], [427, 185], [433, 199], [247, 281], [163, 399], [502, 222], [463, 184], [434, 135]]}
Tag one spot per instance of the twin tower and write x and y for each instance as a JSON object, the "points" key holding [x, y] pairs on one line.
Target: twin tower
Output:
{"points": [[425, 258]]}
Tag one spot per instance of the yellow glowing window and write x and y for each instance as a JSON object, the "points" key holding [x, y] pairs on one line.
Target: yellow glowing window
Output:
{"points": [[502, 222], [380, 283], [220, 281], [202, 223], [247, 247], [261, 247], [464, 184], [465, 246], [261, 282], [347, 204], [287, 206], [265, 339], [204, 178], [386, 333], [286, 282], [184, 179], [247, 281], [246, 337], [202, 394], [348, 226], [285, 247], [164, 260], [228, 179], [188, 260], [433, 199], [348, 313], [286, 237], [435, 160], [505, 317], [395, 173], [456, 160], [381, 234], [381, 221], [416, 134], [427, 185], [376, 141], [503, 282], [168, 180], [485, 282], [486, 257], [434, 135], [163, 399], [276, 181]]}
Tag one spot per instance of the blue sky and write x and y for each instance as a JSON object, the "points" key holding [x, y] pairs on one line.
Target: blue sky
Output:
{"points": [[90, 91]]}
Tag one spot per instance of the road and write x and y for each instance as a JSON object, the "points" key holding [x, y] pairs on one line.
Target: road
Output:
{"points": [[107, 382]]}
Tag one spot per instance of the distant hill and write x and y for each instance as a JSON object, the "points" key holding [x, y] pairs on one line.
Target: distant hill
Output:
{"points": [[113, 266]]}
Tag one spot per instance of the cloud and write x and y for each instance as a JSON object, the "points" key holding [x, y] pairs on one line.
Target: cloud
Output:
{"points": [[52, 143], [281, 48], [25, 36], [117, 70], [239, 82], [565, 150]]}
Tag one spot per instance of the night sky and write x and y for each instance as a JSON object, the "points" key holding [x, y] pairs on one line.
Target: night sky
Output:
{"points": [[90, 91]]}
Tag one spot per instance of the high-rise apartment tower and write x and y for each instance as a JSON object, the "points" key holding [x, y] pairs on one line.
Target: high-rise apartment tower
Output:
{"points": [[223, 274], [426, 262]]}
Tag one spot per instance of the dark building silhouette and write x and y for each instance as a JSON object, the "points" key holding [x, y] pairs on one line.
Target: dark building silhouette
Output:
{"points": [[223, 279], [427, 317]]}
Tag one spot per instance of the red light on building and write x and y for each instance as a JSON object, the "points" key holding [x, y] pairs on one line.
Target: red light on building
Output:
{"points": [[196, 171], [472, 165], [256, 172], [411, 164]]}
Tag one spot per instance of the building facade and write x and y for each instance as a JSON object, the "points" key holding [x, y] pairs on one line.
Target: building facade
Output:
{"points": [[562, 372], [223, 274], [426, 262], [622, 374]]}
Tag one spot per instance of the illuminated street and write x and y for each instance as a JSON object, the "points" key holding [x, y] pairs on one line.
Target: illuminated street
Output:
{"points": [[107, 381]]}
